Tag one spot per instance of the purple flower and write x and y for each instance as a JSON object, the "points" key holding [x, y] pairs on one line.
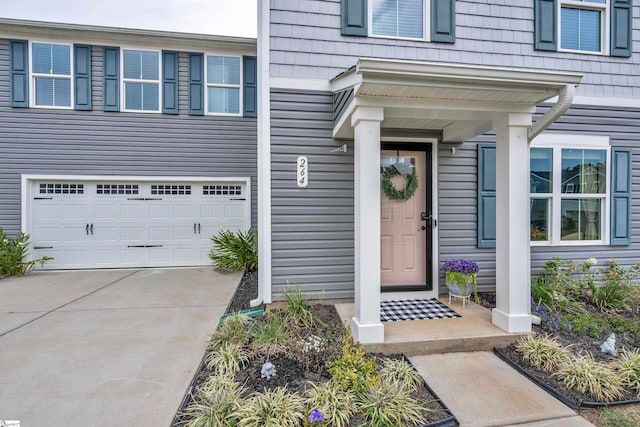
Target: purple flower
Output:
{"points": [[316, 415], [460, 266]]}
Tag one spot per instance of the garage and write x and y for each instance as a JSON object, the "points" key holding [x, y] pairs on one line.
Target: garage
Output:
{"points": [[85, 222]]}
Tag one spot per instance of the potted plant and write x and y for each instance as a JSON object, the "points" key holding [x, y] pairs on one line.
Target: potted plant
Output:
{"points": [[460, 277]]}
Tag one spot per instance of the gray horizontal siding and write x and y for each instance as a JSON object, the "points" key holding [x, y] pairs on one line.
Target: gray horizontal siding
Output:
{"points": [[457, 194], [46, 141], [306, 43], [312, 228]]}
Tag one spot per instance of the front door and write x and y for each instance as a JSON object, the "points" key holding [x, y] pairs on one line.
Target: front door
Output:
{"points": [[405, 235]]}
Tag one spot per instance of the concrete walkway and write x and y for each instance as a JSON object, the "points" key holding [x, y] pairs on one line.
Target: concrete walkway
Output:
{"points": [[105, 348], [481, 390]]}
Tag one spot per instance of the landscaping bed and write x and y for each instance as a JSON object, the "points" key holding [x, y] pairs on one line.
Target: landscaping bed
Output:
{"points": [[315, 361]]}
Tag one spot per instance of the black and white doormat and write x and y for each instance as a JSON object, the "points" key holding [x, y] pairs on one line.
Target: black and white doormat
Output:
{"points": [[391, 311]]}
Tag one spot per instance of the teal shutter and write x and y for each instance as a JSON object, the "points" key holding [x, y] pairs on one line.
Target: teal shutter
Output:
{"points": [[169, 82], [82, 77], [486, 196], [545, 25], [196, 84], [354, 18], [250, 86], [621, 197], [443, 21], [19, 73], [111, 79], [621, 11]]}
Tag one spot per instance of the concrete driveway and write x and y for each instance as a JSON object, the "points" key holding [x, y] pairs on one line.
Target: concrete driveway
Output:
{"points": [[105, 348]]}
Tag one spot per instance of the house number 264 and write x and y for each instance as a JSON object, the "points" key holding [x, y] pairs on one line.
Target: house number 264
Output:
{"points": [[303, 171]]}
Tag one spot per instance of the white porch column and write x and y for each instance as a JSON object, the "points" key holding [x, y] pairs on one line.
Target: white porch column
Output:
{"points": [[513, 258], [365, 325]]}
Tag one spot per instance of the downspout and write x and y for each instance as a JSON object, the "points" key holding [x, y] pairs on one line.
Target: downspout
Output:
{"points": [[264, 158], [565, 98]]}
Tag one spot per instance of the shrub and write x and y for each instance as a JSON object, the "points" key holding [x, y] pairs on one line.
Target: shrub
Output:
{"points": [[388, 405], [589, 324], [270, 337], [274, 408], [543, 352], [215, 403], [590, 377], [227, 360], [616, 290], [13, 252], [297, 308], [336, 404], [401, 373], [234, 330], [353, 370], [629, 368], [235, 250]]}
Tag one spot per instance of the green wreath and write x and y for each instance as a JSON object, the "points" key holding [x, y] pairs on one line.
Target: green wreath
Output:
{"points": [[391, 191]]}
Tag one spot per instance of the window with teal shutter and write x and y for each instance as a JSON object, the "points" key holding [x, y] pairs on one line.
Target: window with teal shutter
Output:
{"points": [[82, 77], [141, 79], [398, 18], [51, 71], [19, 68], [250, 86], [169, 82], [196, 84], [621, 197], [486, 196], [223, 84]]}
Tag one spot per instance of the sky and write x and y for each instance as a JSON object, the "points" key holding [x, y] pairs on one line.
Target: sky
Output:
{"points": [[219, 17]]}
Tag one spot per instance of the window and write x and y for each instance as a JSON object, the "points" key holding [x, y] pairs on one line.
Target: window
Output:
{"points": [[569, 193], [583, 24], [223, 84], [141, 80], [51, 75], [398, 18]]}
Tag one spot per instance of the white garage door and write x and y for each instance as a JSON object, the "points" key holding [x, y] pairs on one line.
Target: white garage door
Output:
{"points": [[84, 224]]}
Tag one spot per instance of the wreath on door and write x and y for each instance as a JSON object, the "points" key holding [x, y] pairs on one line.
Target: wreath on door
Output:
{"points": [[394, 193]]}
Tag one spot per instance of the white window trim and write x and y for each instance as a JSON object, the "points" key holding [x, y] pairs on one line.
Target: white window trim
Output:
{"points": [[33, 76], [123, 80], [605, 26], [558, 142], [239, 86], [426, 30]]}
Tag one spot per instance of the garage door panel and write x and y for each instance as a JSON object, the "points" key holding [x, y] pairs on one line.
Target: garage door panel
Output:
{"points": [[105, 234], [137, 211], [160, 212], [105, 211], [211, 211]]}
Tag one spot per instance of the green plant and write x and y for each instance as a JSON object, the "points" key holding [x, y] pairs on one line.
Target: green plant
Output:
{"points": [[610, 417], [215, 403], [228, 359], [629, 368], [387, 405], [270, 337], [353, 370], [274, 408], [588, 376], [401, 373], [336, 404], [297, 308], [460, 277], [235, 250], [234, 330], [589, 324], [543, 352], [13, 252]]}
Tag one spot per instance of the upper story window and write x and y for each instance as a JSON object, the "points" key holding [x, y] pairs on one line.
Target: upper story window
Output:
{"points": [[223, 84], [51, 75], [398, 18], [141, 80], [569, 193], [583, 24]]}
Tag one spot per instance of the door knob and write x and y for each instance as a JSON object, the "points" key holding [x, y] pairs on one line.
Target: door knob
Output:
{"points": [[424, 227]]}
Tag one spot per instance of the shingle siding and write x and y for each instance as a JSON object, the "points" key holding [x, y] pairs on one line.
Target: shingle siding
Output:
{"points": [[47, 141], [306, 43]]}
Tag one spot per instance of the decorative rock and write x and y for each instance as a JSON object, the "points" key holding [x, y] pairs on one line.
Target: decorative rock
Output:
{"points": [[535, 320], [609, 346], [268, 371]]}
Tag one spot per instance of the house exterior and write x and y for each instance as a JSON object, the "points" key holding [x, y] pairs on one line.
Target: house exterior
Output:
{"points": [[125, 148], [518, 119]]}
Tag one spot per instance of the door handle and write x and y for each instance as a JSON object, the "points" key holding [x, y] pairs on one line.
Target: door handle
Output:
{"points": [[87, 229], [199, 228], [194, 228], [92, 229]]}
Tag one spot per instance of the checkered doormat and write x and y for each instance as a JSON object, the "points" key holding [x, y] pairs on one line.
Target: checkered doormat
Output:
{"points": [[390, 311]]}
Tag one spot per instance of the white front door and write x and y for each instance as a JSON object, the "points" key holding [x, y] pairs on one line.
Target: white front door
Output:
{"points": [[85, 224]]}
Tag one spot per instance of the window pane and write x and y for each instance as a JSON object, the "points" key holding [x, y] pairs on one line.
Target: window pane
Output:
{"points": [[580, 29], [149, 65], [224, 100], [541, 160], [53, 92], [44, 91], [61, 59], [41, 58], [132, 64], [581, 219], [539, 219], [398, 18], [133, 96], [62, 92], [584, 171], [150, 97], [223, 70]]}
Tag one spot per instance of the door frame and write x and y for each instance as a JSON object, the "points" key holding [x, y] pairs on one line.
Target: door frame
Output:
{"points": [[429, 147]]}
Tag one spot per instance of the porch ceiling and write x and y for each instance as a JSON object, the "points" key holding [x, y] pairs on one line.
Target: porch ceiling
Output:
{"points": [[460, 101]]}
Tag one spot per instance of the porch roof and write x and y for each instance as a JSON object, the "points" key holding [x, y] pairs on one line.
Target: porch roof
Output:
{"points": [[458, 100]]}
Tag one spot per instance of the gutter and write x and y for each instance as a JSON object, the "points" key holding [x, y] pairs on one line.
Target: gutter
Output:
{"points": [[565, 98]]}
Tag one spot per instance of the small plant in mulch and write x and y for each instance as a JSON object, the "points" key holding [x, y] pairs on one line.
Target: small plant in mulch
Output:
{"points": [[13, 254], [235, 250]]}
